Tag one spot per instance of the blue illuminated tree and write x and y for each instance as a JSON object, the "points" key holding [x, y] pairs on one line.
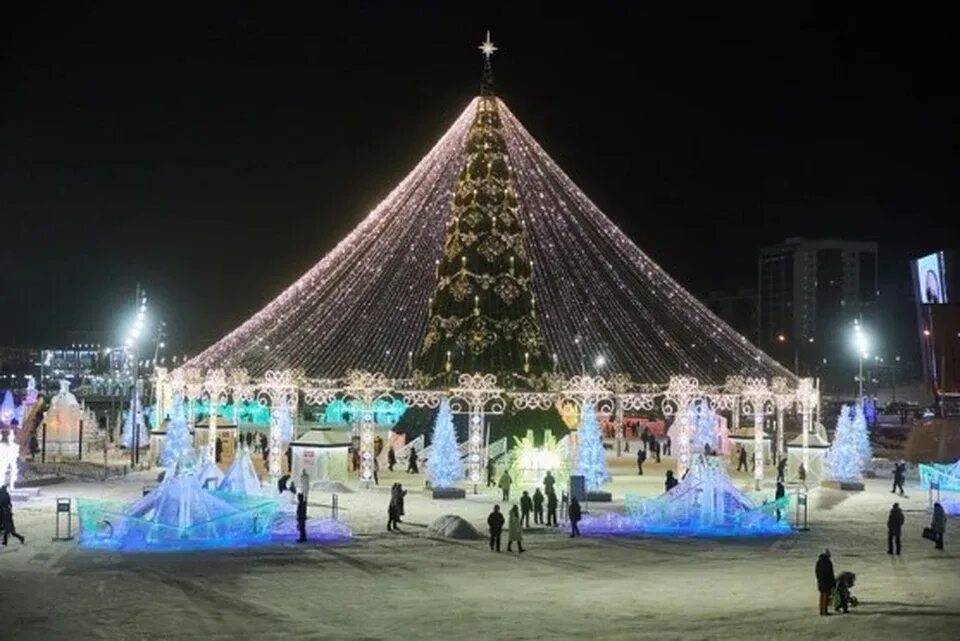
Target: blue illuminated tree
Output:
{"points": [[591, 459], [176, 444], [850, 451], [444, 467]]}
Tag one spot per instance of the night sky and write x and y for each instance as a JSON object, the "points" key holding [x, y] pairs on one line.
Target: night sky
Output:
{"points": [[214, 153]]}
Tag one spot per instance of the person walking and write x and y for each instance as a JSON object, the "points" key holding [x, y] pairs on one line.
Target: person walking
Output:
{"points": [[825, 580], [514, 531], [655, 448], [894, 528], [376, 471], [538, 507], [495, 525], [671, 481], [393, 508], [302, 517], [899, 475], [779, 494], [641, 457], [305, 484], [552, 508], [391, 458], [575, 514], [938, 525], [412, 467], [401, 493], [667, 446], [526, 507], [505, 482], [6, 517], [781, 470], [741, 458], [491, 471]]}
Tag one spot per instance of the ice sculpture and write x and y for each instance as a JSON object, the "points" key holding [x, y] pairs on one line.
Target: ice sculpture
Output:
{"points": [[241, 477], [8, 410], [207, 472], [177, 448], [62, 422], [704, 504], [126, 438], [9, 457], [946, 475], [850, 452], [179, 514]]}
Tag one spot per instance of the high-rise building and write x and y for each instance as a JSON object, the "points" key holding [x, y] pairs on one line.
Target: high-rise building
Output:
{"points": [[738, 309], [809, 293]]}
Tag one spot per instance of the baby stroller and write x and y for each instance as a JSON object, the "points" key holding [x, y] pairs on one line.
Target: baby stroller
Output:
{"points": [[842, 598]]}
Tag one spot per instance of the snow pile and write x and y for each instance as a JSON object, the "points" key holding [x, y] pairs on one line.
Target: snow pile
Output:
{"points": [[451, 526]]}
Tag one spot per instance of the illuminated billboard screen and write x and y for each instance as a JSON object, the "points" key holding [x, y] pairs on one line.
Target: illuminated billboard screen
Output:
{"points": [[931, 283]]}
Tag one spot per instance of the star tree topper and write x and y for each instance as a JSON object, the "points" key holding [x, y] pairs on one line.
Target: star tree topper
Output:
{"points": [[487, 47]]}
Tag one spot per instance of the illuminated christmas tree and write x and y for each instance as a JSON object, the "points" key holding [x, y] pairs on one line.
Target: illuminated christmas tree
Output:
{"points": [[850, 451], [177, 447], [591, 458], [482, 317], [444, 468]]}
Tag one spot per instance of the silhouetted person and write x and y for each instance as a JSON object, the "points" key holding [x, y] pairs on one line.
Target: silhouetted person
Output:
{"points": [[495, 525], [655, 449], [538, 506], [938, 525], [6, 516], [899, 475], [780, 493], [218, 449], [574, 513], [671, 481], [412, 467], [781, 469], [491, 471], [394, 508], [742, 459], [825, 580], [641, 457], [505, 482], [391, 458], [514, 531], [548, 483], [894, 528], [667, 446], [552, 508], [526, 506], [302, 517], [802, 474]]}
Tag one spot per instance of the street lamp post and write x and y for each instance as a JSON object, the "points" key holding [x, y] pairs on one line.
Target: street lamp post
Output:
{"points": [[131, 345]]}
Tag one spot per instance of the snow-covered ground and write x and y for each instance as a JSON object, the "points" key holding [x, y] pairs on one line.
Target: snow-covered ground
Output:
{"points": [[407, 585]]}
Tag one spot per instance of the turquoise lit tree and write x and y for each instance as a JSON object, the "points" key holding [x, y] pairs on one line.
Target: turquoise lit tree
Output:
{"points": [[591, 459], [176, 444], [850, 451], [444, 468]]}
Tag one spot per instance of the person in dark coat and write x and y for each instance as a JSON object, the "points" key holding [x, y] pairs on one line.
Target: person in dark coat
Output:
{"points": [[412, 467], [671, 481], [218, 449], [548, 483], [780, 493], [641, 457], [391, 458], [742, 458], [495, 525], [938, 525], [802, 474], [667, 446], [6, 517], [491, 471], [655, 448], [825, 580], [505, 482], [526, 506], [393, 508], [552, 508], [781, 470], [538, 506], [400, 494], [899, 475], [574, 514], [302, 517], [894, 528]]}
